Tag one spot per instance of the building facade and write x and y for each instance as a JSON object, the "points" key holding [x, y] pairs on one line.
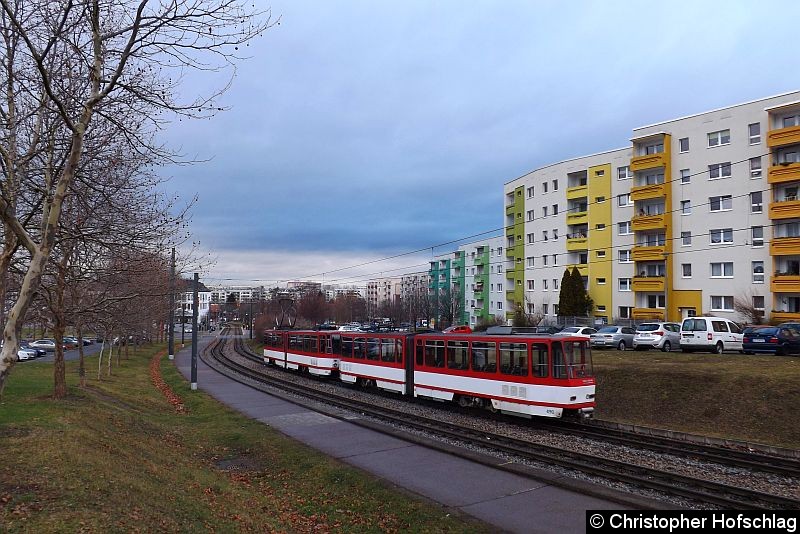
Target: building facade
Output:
{"points": [[690, 219]]}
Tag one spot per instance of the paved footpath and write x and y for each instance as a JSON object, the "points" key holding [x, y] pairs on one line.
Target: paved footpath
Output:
{"points": [[506, 500]]}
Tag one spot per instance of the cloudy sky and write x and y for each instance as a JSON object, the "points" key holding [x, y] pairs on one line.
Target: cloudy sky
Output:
{"points": [[362, 130]]}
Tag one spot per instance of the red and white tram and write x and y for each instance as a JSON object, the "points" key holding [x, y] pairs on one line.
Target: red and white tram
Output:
{"points": [[540, 375]]}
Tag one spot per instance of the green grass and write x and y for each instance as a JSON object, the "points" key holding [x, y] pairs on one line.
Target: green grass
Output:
{"points": [[744, 397], [117, 456]]}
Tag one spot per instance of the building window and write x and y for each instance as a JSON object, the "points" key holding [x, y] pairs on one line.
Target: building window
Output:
{"points": [[544, 211], [758, 302], [686, 239], [686, 207], [625, 256], [530, 192], [600, 226], [719, 170], [555, 209], [601, 281], [653, 148], [624, 173], [624, 284], [599, 200], [757, 235], [721, 235], [544, 259], [555, 185], [791, 120], [624, 228], [544, 187], [601, 307], [723, 203], [624, 200], [600, 253], [722, 137], [722, 270], [530, 215], [755, 167], [499, 287], [683, 144], [555, 283], [686, 176], [656, 301], [530, 238], [756, 202], [555, 259], [545, 309], [600, 173], [754, 131], [625, 312], [544, 284], [686, 270], [531, 285], [529, 261], [555, 234], [721, 303], [555, 309], [758, 272], [544, 235], [499, 305]]}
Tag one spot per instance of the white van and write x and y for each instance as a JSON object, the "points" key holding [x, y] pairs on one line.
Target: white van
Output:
{"points": [[713, 334]]}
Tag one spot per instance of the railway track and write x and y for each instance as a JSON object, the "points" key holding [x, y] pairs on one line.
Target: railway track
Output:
{"points": [[695, 489]]}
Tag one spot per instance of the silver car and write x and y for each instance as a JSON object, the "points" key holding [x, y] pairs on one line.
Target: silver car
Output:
{"points": [[664, 336], [613, 337]]}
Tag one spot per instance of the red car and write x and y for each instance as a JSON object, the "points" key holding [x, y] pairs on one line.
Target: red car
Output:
{"points": [[462, 329]]}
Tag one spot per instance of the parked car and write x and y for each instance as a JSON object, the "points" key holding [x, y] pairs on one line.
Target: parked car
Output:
{"points": [[714, 334], [577, 331], [26, 345], [69, 342], [619, 337], [544, 330], [664, 336], [25, 354], [47, 344], [777, 340], [460, 329]]}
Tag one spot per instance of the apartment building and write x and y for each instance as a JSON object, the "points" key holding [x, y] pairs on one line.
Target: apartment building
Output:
{"points": [[382, 291], [220, 294], [689, 219], [483, 288]]}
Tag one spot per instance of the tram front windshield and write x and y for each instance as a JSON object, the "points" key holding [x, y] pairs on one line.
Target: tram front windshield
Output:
{"points": [[578, 359]]}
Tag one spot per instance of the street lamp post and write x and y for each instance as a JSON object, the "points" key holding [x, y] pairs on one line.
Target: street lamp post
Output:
{"points": [[183, 323]]}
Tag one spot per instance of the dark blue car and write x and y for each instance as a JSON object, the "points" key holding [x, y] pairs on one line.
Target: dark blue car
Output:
{"points": [[771, 340]]}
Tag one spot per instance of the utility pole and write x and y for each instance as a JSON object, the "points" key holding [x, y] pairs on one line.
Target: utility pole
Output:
{"points": [[183, 323], [194, 331], [251, 316], [171, 324]]}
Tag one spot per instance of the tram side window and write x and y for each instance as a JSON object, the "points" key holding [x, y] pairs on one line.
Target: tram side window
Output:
{"points": [[359, 348], [388, 350], [434, 353], [324, 346], [420, 354], [514, 359], [310, 343], [484, 356], [539, 357], [399, 352], [295, 342], [458, 355], [373, 349], [559, 367], [274, 341], [347, 347]]}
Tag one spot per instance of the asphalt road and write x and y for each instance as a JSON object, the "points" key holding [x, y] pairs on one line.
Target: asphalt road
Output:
{"points": [[70, 355]]}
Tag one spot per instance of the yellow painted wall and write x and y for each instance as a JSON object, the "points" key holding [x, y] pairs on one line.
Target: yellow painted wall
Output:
{"points": [[600, 213]]}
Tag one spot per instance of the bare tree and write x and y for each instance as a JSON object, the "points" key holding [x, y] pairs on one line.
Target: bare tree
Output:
{"points": [[72, 65], [743, 303]]}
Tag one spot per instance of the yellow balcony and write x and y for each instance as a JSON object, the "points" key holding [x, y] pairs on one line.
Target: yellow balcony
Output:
{"points": [[579, 191], [577, 243], [783, 136], [785, 317], [648, 313], [645, 192], [578, 217], [785, 283], [787, 209], [650, 161], [785, 246], [583, 268], [648, 253], [649, 222], [651, 284], [779, 174]]}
